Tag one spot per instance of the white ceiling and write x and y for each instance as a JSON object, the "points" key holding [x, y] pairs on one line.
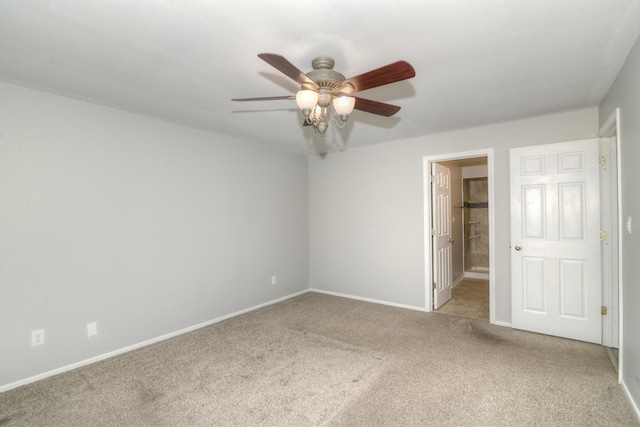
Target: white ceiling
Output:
{"points": [[477, 61]]}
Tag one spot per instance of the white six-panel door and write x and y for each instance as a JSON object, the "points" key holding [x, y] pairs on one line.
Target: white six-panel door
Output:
{"points": [[555, 240], [441, 232]]}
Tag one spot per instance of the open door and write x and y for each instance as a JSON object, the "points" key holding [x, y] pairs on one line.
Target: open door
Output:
{"points": [[555, 240], [441, 234]]}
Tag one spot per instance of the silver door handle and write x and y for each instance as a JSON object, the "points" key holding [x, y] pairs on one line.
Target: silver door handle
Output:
{"points": [[518, 247], [452, 241]]}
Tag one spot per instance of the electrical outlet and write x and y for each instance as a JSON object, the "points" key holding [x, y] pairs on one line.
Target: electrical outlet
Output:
{"points": [[92, 329], [274, 280], [37, 337]]}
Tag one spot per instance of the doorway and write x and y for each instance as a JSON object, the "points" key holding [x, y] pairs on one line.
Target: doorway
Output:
{"points": [[463, 166]]}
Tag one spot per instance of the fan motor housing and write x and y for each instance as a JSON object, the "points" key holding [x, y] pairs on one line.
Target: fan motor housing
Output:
{"points": [[323, 73]]}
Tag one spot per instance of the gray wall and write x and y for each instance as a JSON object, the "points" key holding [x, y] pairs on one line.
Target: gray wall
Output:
{"points": [[625, 94], [366, 208], [144, 226]]}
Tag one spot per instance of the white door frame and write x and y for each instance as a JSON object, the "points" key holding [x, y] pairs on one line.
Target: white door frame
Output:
{"points": [[608, 130], [427, 161]]}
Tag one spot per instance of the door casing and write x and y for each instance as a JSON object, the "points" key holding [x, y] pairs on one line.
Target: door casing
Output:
{"points": [[427, 162], [612, 285]]}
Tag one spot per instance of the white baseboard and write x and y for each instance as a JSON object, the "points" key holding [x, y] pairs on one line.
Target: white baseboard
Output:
{"points": [[375, 301], [634, 404], [458, 280], [141, 344], [476, 275], [501, 323]]}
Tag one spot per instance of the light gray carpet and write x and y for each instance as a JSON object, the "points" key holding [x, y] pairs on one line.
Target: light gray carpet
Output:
{"points": [[323, 360]]}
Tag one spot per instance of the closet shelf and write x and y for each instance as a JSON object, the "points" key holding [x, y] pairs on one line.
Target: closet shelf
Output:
{"points": [[473, 222], [475, 237]]}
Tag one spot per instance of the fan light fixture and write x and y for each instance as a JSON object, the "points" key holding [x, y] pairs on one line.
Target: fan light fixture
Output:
{"points": [[326, 97], [320, 109]]}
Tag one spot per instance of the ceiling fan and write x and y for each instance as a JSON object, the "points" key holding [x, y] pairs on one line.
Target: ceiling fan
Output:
{"points": [[326, 93]]}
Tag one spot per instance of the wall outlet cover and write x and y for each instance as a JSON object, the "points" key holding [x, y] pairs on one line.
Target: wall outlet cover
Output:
{"points": [[92, 329], [37, 337]]}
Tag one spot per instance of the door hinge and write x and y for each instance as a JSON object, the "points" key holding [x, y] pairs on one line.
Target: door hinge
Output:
{"points": [[432, 178], [433, 286], [603, 235], [603, 310], [602, 160]]}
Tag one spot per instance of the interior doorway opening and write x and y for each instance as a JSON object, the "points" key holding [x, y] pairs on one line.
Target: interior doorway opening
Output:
{"points": [[471, 216]]}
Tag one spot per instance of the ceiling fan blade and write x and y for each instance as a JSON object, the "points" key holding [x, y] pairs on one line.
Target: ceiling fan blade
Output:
{"points": [[265, 98], [281, 64], [375, 107], [391, 73]]}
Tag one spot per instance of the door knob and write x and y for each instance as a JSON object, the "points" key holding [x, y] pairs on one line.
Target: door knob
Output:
{"points": [[452, 240], [518, 247]]}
